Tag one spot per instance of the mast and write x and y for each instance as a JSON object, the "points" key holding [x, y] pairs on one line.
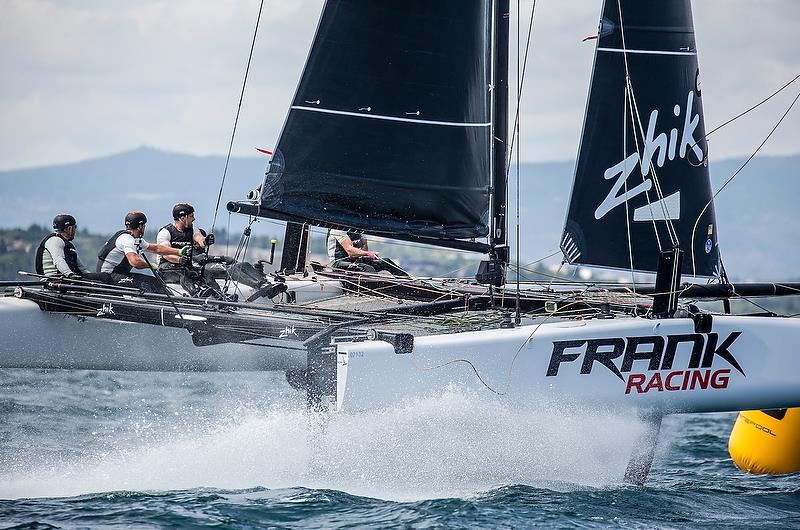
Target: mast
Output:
{"points": [[498, 237], [493, 271]]}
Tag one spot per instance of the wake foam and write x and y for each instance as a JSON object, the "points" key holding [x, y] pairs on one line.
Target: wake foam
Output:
{"points": [[452, 443]]}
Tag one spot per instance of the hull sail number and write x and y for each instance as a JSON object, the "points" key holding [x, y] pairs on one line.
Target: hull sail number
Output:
{"points": [[659, 352], [667, 147]]}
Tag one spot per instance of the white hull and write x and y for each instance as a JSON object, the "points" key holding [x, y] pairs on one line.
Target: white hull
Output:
{"points": [[740, 363], [513, 365], [32, 338]]}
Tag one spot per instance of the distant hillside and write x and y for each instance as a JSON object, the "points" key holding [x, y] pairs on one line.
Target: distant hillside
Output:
{"points": [[100, 191], [757, 213]]}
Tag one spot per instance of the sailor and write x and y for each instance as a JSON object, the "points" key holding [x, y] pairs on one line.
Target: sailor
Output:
{"points": [[124, 252], [178, 234], [350, 250], [58, 257]]}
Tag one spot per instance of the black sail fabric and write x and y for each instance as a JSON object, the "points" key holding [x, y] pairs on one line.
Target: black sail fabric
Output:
{"points": [[389, 130], [642, 171]]}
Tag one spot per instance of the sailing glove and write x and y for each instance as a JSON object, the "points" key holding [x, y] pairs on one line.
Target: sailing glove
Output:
{"points": [[210, 240]]}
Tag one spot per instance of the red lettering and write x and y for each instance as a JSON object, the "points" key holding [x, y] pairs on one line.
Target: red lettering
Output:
{"points": [[635, 380], [720, 378], [700, 377], [678, 380], [685, 384], [668, 381], [655, 382]]}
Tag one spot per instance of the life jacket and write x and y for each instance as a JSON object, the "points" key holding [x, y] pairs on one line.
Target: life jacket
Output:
{"points": [[124, 266], [179, 238], [355, 237], [70, 255]]}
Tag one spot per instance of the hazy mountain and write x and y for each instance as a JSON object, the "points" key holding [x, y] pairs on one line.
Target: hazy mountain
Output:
{"points": [[757, 213]]}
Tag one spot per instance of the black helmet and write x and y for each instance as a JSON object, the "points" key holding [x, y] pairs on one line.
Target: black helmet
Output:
{"points": [[181, 209], [135, 220], [63, 221]]}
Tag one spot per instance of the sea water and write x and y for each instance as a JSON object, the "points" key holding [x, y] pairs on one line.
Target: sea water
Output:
{"points": [[81, 449]]}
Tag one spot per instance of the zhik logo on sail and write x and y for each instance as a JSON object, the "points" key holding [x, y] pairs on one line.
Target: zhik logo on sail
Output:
{"points": [[287, 331], [666, 147], [659, 352]]}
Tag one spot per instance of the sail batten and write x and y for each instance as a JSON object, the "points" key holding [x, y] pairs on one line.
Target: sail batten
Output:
{"points": [[641, 179], [392, 118], [645, 52], [390, 128]]}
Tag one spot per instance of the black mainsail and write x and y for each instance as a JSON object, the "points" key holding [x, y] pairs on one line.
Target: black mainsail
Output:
{"points": [[390, 129], [641, 181]]}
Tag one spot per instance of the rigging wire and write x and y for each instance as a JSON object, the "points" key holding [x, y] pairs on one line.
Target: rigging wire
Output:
{"points": [[637, 120], [718, 127], [625, 184], [238, 110], [671, 231], [516, 136], [521, 84], [711, 200], [628, 98]]}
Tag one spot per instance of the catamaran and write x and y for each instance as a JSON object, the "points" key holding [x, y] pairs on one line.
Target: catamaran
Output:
{"points": [[399, 128]]}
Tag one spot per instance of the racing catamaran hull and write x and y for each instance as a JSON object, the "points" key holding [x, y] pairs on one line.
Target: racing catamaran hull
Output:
{"points": [[709, 364], [655, 366], [33, 338]]}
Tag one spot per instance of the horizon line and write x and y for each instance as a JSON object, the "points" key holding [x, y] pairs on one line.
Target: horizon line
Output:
{"points": [[246, 157]]}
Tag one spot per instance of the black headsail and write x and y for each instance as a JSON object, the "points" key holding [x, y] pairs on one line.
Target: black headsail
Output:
{"points": [[641, 181], [390, 129]]}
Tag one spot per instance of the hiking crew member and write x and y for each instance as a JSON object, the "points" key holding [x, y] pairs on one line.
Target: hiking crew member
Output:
{"points": [[178, 234], [123, 252], [350, 250], [182, 232], [58, 257]]}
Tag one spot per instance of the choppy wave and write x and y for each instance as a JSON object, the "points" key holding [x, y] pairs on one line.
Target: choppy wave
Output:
{"points": [[80, 448]]}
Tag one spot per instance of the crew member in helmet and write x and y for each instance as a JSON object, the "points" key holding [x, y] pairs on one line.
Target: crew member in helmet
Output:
{"points": [[123, 252], [178, 234], [350, 251], [58, 257]]}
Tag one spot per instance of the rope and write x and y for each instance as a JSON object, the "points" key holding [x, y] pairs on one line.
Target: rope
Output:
{"points": [[505, 389], [236, 120]]}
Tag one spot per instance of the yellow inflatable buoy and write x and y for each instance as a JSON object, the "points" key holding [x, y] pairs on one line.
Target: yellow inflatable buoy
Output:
{"points": [[766, 441]]}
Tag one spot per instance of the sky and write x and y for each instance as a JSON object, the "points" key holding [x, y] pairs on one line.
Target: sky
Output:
{"points": [[89, 78]]}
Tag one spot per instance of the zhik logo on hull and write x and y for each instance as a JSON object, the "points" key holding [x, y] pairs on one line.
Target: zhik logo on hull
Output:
{"points": [[666, 147], [659, 354]]}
